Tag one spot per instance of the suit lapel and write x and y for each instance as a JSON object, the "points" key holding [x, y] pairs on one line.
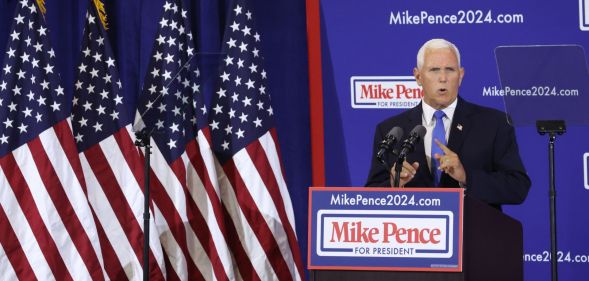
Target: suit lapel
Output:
{"points": [[459, 129], [460, 125]]}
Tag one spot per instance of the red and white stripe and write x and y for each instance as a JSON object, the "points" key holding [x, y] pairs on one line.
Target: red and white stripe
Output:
{"points": [[255, 195], [114, 177], [204, 191], [187, 217], [45, 204], [5, 267]]}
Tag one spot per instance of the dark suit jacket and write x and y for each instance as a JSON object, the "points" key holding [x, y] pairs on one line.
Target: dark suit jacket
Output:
{"points": [[487, 148]]}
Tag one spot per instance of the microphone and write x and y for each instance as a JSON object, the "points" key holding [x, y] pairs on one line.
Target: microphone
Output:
{"points": [[409, 144], [389, 141]]}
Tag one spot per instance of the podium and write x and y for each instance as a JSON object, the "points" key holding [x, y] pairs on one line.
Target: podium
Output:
{"points": [[492, 250]]}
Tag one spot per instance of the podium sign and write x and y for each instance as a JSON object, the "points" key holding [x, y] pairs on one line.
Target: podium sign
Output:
{"points": [[405, 229]]}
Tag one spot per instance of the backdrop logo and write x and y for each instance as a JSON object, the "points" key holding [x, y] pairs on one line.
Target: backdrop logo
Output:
{"points": [[384, 92], [586, 170], [584, 15], [388, 233]]}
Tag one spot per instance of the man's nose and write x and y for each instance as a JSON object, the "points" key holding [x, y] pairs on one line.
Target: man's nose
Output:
{"points": [[443, 77]]}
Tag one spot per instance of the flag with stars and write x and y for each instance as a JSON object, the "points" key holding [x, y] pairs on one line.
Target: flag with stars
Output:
{"points": [[189, 214], [111, 163], [48, 229], [245, 142]]}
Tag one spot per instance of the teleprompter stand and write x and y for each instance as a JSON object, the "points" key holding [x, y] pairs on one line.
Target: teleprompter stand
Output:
{"points": [[552, 128], [545, 85]]}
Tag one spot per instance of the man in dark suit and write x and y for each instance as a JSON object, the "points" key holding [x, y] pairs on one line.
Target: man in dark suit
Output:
{"points": [[466, 145]]}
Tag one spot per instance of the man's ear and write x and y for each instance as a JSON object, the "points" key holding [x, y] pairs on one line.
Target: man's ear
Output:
{"points": [[417, 76]]}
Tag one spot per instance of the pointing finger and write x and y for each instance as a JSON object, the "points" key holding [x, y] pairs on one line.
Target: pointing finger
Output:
{"points": [[444, 148]]}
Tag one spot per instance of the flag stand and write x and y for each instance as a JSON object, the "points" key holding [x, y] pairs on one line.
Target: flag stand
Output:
{"points": [[144, 140]]}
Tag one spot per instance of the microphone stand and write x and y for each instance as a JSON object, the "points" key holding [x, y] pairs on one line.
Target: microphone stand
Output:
{"points": [[552, 128], [383, 161], [407, 147], [144, 140], [398, 168]]}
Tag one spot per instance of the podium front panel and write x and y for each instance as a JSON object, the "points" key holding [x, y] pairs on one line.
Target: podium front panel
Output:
{"points": [[385, 229]]}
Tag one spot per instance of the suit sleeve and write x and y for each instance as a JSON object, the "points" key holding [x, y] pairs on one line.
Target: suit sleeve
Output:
{"points": [[378, 175], [507, 181]]}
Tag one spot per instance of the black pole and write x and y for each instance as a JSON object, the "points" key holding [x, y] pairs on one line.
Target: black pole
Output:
{"points": [[552, 195], [144, 140], [552, 128], [398, 168]]}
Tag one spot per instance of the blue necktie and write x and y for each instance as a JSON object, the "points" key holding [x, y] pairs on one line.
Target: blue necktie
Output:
{"points": [[440, 134]]}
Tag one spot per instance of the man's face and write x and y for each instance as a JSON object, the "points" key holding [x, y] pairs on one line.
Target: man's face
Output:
{"points": [[440, 76]]}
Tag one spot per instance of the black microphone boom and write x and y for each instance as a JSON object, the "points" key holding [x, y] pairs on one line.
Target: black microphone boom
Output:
{"points": [[389, 141]]}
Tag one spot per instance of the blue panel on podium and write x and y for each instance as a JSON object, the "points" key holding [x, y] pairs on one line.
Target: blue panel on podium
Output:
{"points": [[385, 229]]}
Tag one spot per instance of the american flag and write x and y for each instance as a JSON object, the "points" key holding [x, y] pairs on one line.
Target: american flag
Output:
{"points": [[245, 142], [189, 214], [48, 229], [112, 165]]}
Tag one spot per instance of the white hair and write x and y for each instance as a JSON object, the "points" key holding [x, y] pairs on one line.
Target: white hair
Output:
{"points": [[436, 44]]}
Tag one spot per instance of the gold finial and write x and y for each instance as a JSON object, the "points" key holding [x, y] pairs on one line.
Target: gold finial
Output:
{"points": [[101, 12], [41, 5]]}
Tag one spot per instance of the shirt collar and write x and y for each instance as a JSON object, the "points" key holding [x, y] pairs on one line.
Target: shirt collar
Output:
{"points": [[428, 111]]}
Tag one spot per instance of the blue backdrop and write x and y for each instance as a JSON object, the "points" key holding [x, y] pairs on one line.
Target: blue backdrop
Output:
{"points": [[381, 38], [132, 27]]}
